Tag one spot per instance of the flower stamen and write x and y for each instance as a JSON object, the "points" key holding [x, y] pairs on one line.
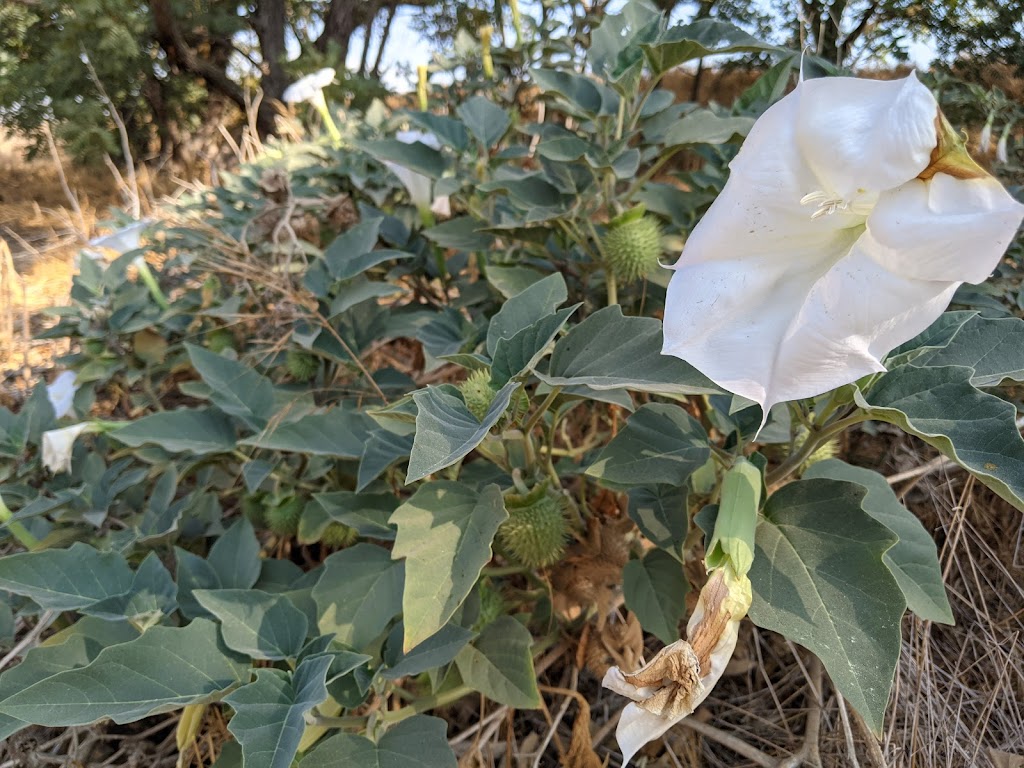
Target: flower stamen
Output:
{"points": [[826, 204]]}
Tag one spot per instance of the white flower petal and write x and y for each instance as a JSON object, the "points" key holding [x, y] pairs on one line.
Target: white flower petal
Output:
{"points": [[61, 393], [306, 88], [1002, 156], [411, 137], [420, 187], [58, 444], [442, 207], [123, 240]]}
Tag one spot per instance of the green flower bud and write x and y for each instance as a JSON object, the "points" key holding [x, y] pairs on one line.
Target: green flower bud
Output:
{"points": [[632, 245], [536, 530]]}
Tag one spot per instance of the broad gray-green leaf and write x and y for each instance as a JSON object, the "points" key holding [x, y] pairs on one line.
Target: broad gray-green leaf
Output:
{"points": [[940, 406], [256, 623], [655, 590], [584, 95], [913, 560], [235, 556], [235, 388], [993, 348], [499, 665], [610, 351], [523, 351], [338, 433], [186, 430], [66, 579], [368, 513], [438, 649], [165, 669], [444, 533], [416, 742], [416, 156], [70, 648], [935, 336], [484, 119], [359, 592], [818, 579], [383, 448], [270, 713], [446, 430], [359, 289], [152, 593], [522, 310], [448, 130], [659, 444], [461, 233], [702, 126], [701, 38], [660, 512], [193, 572]]}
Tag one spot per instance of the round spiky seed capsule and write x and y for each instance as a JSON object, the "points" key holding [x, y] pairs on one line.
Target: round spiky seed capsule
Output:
{"points": [[283, 517], [632, 245], [220, 339], [823, 452], [536, 529], [478, 393], [301, 365], [338, 536], [492, 605], [252, 508]]}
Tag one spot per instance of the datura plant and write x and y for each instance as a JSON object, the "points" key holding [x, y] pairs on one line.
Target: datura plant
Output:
{"points": [[419, 415]]}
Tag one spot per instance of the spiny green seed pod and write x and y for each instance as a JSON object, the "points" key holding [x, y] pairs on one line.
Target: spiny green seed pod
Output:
{"points": [[220, 339], [338, 536], [478, 393], [519, 405], [536, 530], [492, 605], [301, 365], [821, 453], [632, 246], [94, 346], [253, 509], [283, 517]]}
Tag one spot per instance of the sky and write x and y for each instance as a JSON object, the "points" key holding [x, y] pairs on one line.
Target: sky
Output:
{"points": [[406, 48]]}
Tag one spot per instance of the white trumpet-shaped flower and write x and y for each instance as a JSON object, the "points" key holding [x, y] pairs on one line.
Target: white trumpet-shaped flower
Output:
{"points": [[850, 217], [1002, 156], [58, 444], [61, 393], [311, 89], [420, 187]]}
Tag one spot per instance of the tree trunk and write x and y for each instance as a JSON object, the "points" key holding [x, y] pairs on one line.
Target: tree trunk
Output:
{"points": [[383, 42], [342, 19], [269, 22], [371, 19]]}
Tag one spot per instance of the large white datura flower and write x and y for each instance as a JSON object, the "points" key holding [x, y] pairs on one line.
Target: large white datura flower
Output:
{"points": [[851, 215], [61, 393], [420, 187], [58, 444], [311, 89]]}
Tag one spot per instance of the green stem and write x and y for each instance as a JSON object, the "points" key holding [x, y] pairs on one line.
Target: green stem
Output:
{"points": [[18, 531], [612, 286], [813, 442], [336, 722], [426, 704], [535, 419], [325, 114], [651, 172], [147, 277]]}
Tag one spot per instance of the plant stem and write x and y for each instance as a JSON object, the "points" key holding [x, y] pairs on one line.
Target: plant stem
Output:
{"points": [[813, 442], [539, 414], [18, 531], [146, 275], [612, 286], [426, 704]]}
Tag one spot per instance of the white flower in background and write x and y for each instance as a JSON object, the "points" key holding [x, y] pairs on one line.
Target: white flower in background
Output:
{"points": [[58, 444], [123, 240], [985, 140], [420, 187], [310, 89], [61, 393], [850, 217], [678, 679], [1002, 156]]}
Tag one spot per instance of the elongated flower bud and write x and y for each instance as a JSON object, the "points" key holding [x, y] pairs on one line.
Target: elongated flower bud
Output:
{"points": [[421, 86], [485, 51], [517, 20], [985, 142], [1002, 156]]}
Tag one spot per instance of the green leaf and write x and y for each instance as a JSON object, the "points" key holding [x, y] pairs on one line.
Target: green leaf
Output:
{"points": [[359, 289], [655, 590], [338, 433], [913, 560], [499, 665], [186, 430], [584, 96], [768, 88], [193, 572], [940, 406], [352, 244], [270, 713], [609, 351], [701, 38], [461, 233], [818, 579], [368, 513], [992, 348], [513, 356], [660, 512], [416, 742], [235, 388], [446, 430], [383, 448], [444, 533], [416, 156], [448, 130], [235, 556], [484, 119], [152, 594], [659, 444], [522, 310], [702, 126], [255, 623], [359, 593], [70, 648], [66, 579], [436, 651], [165, 669]]}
